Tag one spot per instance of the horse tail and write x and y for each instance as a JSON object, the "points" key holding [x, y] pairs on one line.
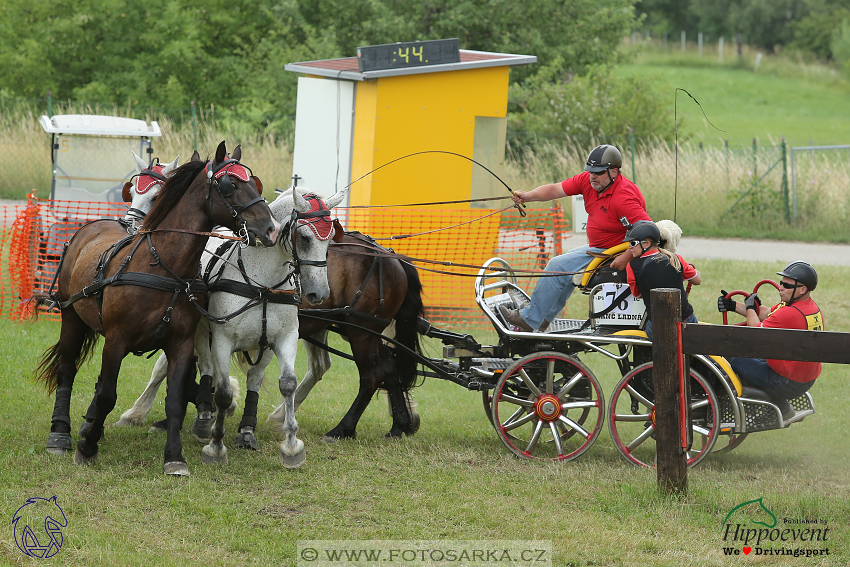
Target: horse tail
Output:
{"points": [[47, 370], [407, 334]]}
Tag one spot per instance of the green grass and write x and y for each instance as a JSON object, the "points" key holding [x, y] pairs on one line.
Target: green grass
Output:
{"points": [[452, 480], [804, 103]]}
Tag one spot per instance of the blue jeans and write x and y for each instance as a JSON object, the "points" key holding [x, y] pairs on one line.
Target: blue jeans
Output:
{"points": [[756, 373], [648, 329], [551, 293]]}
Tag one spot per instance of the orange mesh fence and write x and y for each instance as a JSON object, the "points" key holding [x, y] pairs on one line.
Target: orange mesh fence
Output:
{"points": [[33, 236], [526, 243], [31, 244]]}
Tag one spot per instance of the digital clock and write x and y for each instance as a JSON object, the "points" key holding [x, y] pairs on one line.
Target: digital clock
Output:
{"points": [[408, 54]]}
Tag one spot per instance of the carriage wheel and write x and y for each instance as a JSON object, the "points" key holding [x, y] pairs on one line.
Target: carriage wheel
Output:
{"points": [[542, 403], [632, 417], [728, 441]]}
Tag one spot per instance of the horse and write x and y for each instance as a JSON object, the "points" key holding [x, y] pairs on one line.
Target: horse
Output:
{"points": [[258, 287], [149, 301], [368, 293]]}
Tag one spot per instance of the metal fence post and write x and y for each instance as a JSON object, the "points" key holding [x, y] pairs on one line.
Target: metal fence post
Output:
{"points": [[785, 181], [195, 124], [632, 150]]}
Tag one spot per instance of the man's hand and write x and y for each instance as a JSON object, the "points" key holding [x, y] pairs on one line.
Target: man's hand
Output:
{"points": [[622, 260], [518, 197], [725, 303], [752, 302]]}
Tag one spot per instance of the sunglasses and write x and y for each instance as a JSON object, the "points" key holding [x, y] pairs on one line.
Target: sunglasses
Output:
{"points": [[634, 242], [789, 285]]}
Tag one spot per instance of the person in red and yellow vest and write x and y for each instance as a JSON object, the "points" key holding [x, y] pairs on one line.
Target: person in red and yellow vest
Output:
{"points": [[781, 379]]}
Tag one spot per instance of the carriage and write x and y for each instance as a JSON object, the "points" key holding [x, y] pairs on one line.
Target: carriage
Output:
{"points": [[544, 401]]}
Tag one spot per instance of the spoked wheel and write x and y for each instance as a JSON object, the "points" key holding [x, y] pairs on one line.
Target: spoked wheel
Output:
{"points": [[631, 417], [548, 406]]}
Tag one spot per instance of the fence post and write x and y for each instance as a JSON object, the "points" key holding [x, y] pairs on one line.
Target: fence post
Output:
{"points": [[785, 181], [720, 51], [699, 43], [683, 41], [632, 150], [665, 40], [672, 461], [195, 124]]}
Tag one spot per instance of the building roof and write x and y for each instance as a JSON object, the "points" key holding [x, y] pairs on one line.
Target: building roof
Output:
{"points": [[347, 67]]}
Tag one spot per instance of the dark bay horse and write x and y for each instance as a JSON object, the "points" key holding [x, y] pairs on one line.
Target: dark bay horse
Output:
{"points": [[147, 298]]}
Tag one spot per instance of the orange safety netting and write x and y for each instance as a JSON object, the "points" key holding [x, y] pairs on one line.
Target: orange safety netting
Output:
{"points": [[33, 236]]}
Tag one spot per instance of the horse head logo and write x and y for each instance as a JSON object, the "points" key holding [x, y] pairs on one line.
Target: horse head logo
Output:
{"points": [[757, 514], [47, 539]]}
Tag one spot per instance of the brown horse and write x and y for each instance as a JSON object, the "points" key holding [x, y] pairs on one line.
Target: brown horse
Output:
{"points": [[147, 298]]}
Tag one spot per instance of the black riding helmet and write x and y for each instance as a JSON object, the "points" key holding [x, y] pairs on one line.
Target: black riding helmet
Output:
{"points": [[801, 272], [642, 230], [603, 157]]}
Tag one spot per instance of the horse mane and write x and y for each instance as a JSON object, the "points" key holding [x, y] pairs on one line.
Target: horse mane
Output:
{"points": [[172, 191]]}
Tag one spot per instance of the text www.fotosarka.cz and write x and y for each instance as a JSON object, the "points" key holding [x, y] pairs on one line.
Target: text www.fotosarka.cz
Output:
{"points": [[333, 553]]}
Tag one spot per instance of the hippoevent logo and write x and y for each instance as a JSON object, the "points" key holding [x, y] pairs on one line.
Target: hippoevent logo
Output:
{"points": [[750, 528], [38, 527]]}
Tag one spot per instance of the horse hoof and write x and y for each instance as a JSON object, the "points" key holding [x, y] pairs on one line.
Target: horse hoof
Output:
{"points": [[86, 426], [176, 468], [202, 428], [246, 440], [157, 427], [59, 443], [81, 459], [329, 439], [209, 456], [414, 422], [295, 461]]}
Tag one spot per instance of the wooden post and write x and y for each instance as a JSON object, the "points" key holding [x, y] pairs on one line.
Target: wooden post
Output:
{"points": [[671, 459]]}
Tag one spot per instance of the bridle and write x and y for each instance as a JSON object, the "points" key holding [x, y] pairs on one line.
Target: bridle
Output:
{"points": [[219, 177], [315, 219], [154, 172]]}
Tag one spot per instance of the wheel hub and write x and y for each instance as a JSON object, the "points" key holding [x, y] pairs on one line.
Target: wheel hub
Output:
{"points": [[548, 407]]}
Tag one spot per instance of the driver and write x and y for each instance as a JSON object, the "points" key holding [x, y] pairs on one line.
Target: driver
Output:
{"points": [[782, 380], [608, 197]]}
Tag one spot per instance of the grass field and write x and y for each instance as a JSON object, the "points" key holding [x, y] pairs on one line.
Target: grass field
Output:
{"points": [[453, 480], [806, 103]]}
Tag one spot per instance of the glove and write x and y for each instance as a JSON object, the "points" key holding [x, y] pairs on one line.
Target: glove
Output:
{"points": [[724, 303], [752, 302]]}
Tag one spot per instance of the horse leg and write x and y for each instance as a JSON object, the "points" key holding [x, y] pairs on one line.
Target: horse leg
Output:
{"points": [[204, 403], [215, 452], [245, 437], [137, 414], [181, 364], [375, 363], [318, 363], [72, 337], [105, 398], [292, 453]]}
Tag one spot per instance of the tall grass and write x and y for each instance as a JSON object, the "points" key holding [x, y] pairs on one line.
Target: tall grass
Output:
{"points": [[710, 191]]}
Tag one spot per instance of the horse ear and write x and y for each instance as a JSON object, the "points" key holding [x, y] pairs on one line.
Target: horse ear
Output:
{"points": [[258, 183], [140, 165], [301, 204], [195, 156], [339, 232], [335, 199], [220, 153], [126, 192], [236, 153], [171, 166]]}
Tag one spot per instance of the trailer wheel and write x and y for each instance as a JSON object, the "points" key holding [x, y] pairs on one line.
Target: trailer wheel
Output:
{"points": [[548, 406], [631, 417]]}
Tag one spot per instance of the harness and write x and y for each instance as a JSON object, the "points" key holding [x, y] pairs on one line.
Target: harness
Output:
{"points": [[147, 179], [219, 177]]}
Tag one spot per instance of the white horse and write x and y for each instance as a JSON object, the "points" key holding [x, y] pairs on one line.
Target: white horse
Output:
{"points": [[141, 192]]}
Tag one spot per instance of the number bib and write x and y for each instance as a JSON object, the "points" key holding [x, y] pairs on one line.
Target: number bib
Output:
{"points": [[627, 313]]}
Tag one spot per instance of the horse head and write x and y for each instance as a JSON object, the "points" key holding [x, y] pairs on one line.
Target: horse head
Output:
{"points": [[233, 197], [307, 233], [142, 189]]}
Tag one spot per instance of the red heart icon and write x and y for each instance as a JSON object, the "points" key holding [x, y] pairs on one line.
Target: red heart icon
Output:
{"points": [[747, 550]]}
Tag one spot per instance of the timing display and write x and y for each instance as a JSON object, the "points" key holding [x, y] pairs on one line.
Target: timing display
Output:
{"points": [[408, 54]]}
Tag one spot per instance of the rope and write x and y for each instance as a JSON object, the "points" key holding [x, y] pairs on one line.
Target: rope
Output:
{"points": [[403, 236], [428, 204]]}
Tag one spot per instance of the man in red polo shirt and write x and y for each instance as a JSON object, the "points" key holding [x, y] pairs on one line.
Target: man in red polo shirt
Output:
{"points": [[781, 379], [608, 197]]}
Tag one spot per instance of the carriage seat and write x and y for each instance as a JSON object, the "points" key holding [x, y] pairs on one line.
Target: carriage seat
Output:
{"points": [[784, 406]]}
